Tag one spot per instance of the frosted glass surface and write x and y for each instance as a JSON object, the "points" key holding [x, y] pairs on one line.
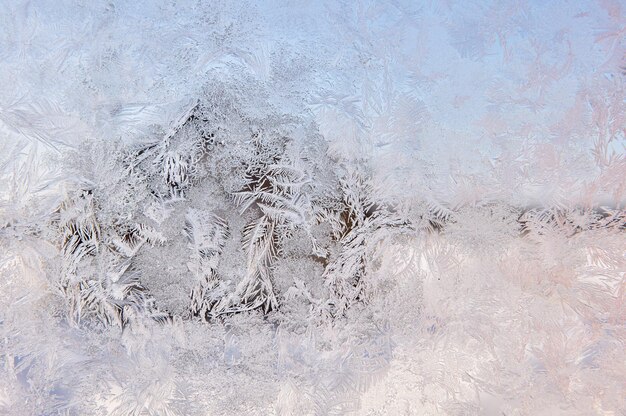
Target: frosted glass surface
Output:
{"points": [[312, 208]]}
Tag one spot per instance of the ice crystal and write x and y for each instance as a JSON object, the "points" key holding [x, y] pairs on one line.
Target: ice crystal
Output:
{"points": [[312, 208]]}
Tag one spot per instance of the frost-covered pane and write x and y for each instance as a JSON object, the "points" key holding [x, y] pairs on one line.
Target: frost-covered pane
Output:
{"points": [[312, 208]]}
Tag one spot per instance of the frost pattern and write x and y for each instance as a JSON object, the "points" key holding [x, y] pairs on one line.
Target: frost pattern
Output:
{"points": [[312, 208]]}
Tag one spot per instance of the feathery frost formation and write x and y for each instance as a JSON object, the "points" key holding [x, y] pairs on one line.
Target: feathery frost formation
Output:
{"points": [[323, 208]]}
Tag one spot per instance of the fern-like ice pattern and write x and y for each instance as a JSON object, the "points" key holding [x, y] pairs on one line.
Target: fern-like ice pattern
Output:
{"points": [[312, 208]]}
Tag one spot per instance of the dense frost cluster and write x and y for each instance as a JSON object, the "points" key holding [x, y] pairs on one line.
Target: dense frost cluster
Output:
{"points": [[312, 208]]}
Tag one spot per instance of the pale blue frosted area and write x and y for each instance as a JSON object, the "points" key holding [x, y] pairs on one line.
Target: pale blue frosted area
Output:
{"points": [[312, 208], [474, 80]]}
